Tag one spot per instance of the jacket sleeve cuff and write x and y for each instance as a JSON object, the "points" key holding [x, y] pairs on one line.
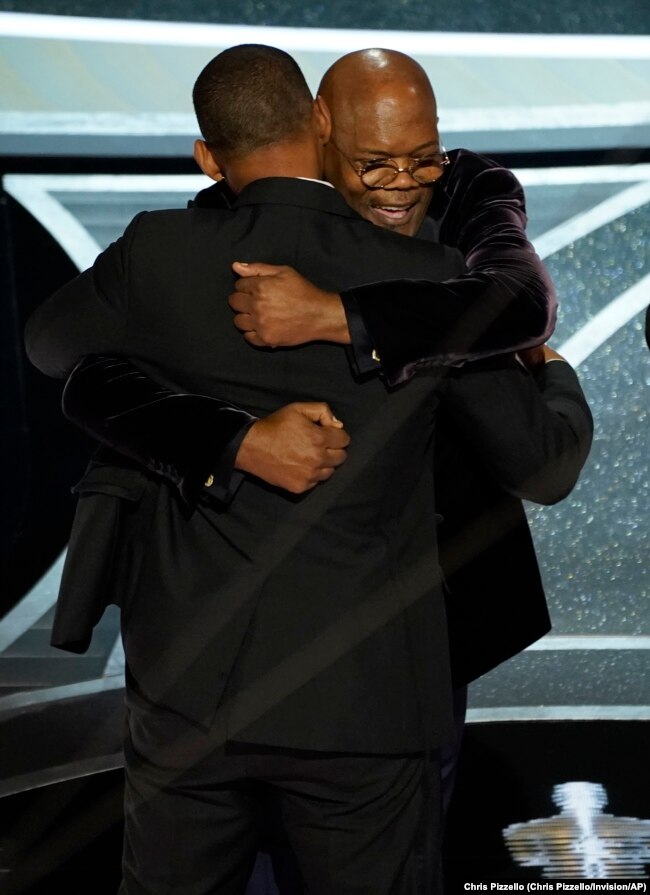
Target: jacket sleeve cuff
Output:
{"points": [[363, 357], [223, 480], [181, 438]]}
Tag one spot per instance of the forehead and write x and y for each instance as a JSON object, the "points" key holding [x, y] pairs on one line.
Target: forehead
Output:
{"points": [[393, 120]]}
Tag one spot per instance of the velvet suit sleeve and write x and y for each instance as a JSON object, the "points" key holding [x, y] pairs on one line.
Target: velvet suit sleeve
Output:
{"points": [[505, 302], [80, 332], [533, 430], [190, 440]]}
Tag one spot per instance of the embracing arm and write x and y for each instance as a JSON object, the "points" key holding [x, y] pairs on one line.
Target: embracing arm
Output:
{"points": [[202, 445], [199, 443], [182, 437], [506, 301], [533, 429], [191, 440]]}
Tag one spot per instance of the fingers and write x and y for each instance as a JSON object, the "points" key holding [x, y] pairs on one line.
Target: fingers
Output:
{"points": [[318, 412], [285, 310], [243, 319], [329, 421], [324, 474], [256, 269], [246, 293], [336, 458], [253, 338], [335, 439], [243, 303], [240, 302], [292, 449], [243, 322], [552, 354], [326, 438]]}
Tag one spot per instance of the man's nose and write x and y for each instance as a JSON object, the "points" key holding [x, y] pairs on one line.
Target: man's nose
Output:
{"points": [[403, 181]]}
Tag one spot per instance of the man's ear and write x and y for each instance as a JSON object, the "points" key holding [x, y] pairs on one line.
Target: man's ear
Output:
{"points": [[206, 161], [322, 119]]}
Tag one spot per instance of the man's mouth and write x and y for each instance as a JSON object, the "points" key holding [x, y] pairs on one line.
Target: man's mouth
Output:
{"points": [[394, 213]]}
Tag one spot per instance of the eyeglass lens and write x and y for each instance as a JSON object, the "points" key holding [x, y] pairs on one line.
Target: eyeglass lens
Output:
{"points": [[382, 173]]}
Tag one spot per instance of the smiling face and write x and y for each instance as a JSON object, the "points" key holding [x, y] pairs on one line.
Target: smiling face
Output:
{"points": [[381, 111]]}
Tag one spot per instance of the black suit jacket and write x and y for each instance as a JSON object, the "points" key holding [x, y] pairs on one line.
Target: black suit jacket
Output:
{"points": [[314, 622], [492, 615]]}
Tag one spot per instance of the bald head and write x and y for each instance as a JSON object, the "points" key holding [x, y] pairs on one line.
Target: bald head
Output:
{"points": [[372, 71], [382, 105]]}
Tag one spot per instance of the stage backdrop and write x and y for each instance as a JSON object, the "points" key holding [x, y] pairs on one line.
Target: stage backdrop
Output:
{"points": [[96, 124]]}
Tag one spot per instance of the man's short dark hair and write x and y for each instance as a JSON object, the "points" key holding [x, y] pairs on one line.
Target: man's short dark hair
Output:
{"points": [[251, 96]]}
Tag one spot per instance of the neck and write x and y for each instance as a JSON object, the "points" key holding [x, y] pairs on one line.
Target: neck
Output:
{"points": [[280, 160]]}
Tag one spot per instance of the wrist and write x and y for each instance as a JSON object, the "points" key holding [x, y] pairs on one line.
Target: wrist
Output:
{"points": [[335, 322], [244, 458]]}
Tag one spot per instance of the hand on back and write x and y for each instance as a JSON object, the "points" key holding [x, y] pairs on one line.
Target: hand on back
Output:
{"points": [[276, 307], [294, 448], [533, 358]]}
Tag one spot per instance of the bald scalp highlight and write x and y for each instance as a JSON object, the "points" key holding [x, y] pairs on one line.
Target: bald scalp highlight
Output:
{"points": [[251, 96], [370, 71]]}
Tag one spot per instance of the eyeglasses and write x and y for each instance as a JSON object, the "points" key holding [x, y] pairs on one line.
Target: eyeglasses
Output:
{"points": [[380, 172]]}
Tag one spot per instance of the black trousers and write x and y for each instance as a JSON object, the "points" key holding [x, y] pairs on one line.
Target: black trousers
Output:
{"points": [[276, 872], [196, 816]]}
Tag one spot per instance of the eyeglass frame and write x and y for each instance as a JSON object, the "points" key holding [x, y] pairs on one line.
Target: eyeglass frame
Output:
{"points": [[412, 168]]}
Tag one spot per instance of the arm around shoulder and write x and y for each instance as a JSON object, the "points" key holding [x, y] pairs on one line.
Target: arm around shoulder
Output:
{"points": [[534, 430]]}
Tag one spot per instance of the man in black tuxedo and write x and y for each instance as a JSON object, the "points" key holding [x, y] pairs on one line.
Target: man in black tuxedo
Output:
{"points": [[291, 648]]}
